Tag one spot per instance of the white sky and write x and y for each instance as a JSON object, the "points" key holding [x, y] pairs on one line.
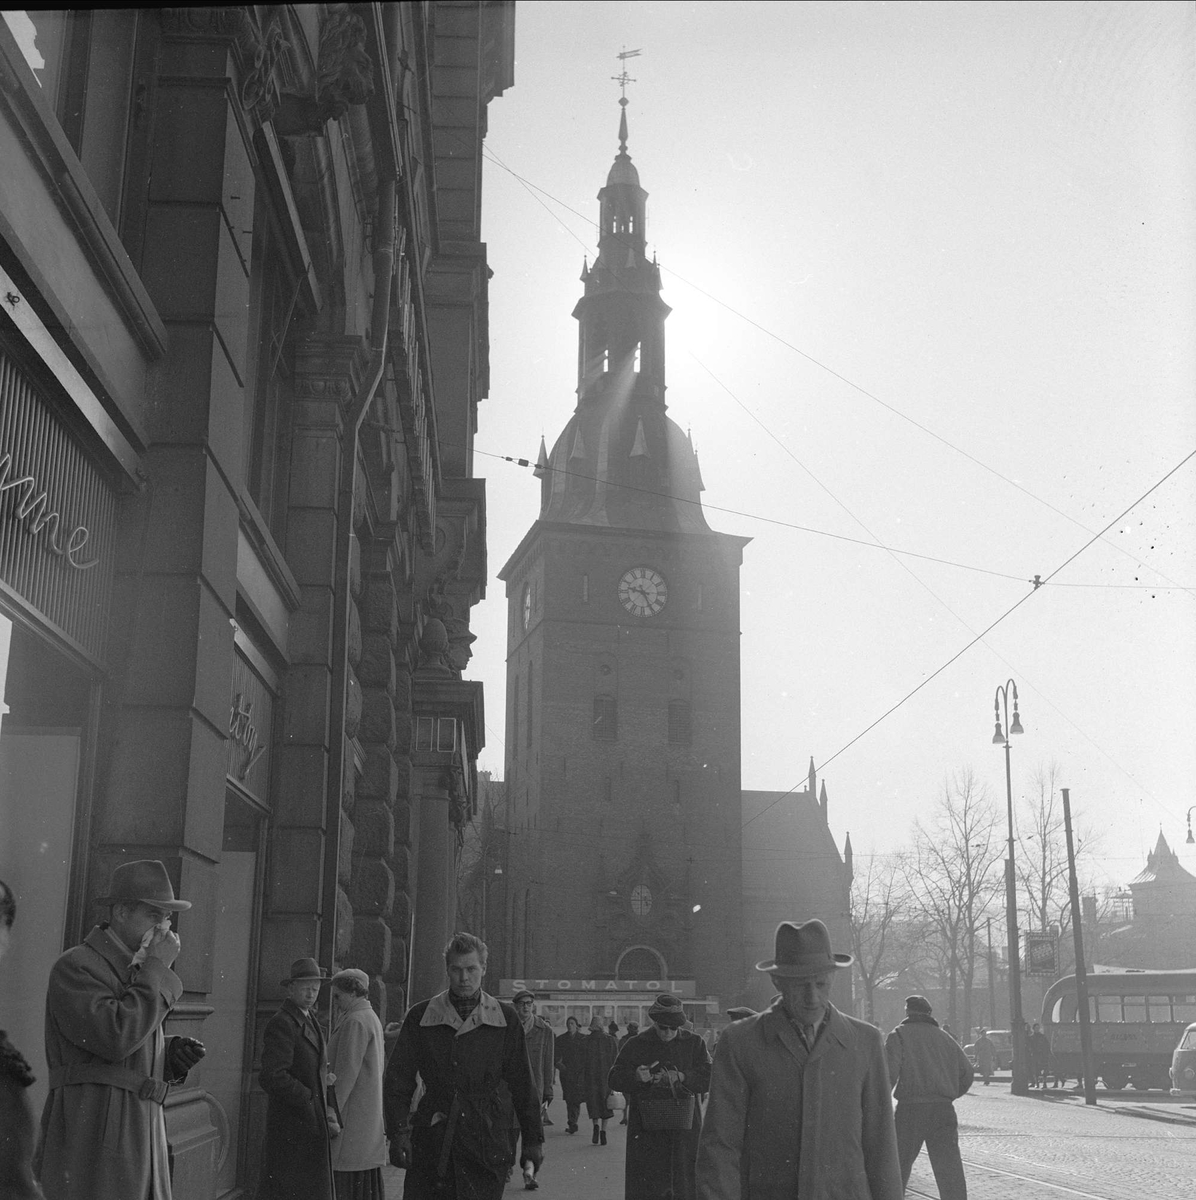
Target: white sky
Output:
{"points": [[981, 214]]}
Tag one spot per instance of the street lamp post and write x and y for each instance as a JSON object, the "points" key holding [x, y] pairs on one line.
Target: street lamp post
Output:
{"points": [[992, 994], [1003, 730]]}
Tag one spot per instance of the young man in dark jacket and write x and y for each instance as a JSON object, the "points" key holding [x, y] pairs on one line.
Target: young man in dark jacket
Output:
{"points": [[928, 1071]]}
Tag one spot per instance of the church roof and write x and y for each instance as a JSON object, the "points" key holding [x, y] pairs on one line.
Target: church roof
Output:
{"points": [[623, 169], [1163, 866]]}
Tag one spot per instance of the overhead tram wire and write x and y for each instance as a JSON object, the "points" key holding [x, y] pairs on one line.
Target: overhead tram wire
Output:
{"points": [[533, 188], [841, 537], [960, 653]]}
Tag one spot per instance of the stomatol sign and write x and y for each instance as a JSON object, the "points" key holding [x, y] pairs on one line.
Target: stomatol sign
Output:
{"points": [[676, 987]]}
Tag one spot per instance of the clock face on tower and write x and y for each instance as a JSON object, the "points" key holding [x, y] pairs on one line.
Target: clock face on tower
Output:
{"points": [[643, 591]]}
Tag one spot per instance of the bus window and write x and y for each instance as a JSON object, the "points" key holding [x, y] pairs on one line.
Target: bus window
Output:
{"points": [[1134, 1008], [1054, 1016], [580, 1011], [1183, 1009], [626, 1013], [1158, 1009], [554, 1014]]}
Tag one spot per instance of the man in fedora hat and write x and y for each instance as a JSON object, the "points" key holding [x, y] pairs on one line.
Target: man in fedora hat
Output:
{"points": [[103, 1134], [929, 1072], [297, 1151], [800, 1105]]}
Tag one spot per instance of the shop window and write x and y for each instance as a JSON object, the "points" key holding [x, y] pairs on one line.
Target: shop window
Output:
{"points": [[45, 712], [606, 719]]}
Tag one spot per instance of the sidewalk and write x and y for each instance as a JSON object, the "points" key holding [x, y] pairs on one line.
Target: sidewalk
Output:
{"points": [[574, 1168]]}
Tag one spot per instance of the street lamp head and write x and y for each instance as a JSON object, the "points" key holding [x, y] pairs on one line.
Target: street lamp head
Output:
{"points": [[998, 736], [1016, 727]]}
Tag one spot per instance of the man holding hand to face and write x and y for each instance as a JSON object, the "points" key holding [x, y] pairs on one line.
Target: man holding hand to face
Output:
{"points": [[103, 1134]]}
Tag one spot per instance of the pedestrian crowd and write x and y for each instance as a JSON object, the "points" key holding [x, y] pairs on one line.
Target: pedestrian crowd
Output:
{"points": [[797, 1102]]}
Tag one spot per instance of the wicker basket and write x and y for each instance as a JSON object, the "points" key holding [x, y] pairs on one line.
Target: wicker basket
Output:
{"points": [[666, 1109]]}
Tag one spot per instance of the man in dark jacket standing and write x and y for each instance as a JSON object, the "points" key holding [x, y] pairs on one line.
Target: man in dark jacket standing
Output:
{"points": [[297, 1151], [464, 1045], [929, 1071]]}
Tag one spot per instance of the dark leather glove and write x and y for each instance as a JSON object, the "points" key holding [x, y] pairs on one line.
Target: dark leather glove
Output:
{"points": [[533, 1152], [400, 1150], [183, 1054]]}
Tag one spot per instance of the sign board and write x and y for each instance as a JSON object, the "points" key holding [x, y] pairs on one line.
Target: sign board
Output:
{"points": [[675, 987], [1042, 953]]}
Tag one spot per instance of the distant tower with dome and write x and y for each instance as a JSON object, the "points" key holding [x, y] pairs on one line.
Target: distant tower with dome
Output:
{"points": [[623, 697]]}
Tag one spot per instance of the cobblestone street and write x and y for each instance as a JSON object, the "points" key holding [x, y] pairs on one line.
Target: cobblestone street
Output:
{"points": [[1039, 1148]]}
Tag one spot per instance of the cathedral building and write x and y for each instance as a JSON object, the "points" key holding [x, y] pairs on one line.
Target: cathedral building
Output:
{"points": [[623, 801]]}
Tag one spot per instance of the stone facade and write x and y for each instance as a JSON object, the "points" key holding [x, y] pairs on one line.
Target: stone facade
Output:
{"points": [[257, 299]]}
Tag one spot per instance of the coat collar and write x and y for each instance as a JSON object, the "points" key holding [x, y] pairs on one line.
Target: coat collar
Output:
{"points": [[110, 948], [777, 1025], [440, 1011], [306, 1022]]}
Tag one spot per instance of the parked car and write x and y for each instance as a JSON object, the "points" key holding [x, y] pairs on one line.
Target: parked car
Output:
{"points": [[1183, 1064], [1002, 1040]]}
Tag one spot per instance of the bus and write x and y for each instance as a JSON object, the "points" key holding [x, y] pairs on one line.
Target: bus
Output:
{"points": [[1137, 1018]]}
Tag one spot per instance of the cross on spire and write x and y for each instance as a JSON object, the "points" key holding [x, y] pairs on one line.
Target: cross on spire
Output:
{"points": [[623, 79]]}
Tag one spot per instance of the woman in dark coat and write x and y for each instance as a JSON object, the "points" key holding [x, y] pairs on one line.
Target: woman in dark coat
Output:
{"points": [[600, 1052], [571, 1064], [297, 1154], [660, 1163]]}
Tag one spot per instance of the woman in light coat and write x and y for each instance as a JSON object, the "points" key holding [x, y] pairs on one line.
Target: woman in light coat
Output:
{"points": [[357, 1060]]}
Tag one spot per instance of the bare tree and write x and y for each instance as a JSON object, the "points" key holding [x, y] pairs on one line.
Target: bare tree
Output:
{"points": [[952, 883], [878, 903], [1042, 851]]}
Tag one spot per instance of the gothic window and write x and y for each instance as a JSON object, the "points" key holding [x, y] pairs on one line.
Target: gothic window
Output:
{"points": [[635, 364], [585, 589], [680, 723], [641, 899], [606, 719], [514, 715]]}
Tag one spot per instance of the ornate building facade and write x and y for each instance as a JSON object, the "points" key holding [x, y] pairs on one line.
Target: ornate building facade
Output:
{"points": [[243, 341], [623, 753]]}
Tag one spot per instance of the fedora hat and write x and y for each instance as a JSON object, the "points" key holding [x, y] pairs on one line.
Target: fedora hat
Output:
{"points": [[803, 950], [143, 882], [304, 968]]}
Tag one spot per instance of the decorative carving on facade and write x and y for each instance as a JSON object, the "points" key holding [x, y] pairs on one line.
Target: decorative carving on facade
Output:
{"points": [[344, 76], [434, 651], [328, 369]]}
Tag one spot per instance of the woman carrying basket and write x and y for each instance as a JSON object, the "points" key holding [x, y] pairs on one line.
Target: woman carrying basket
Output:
{"points": [[662, 1071]]}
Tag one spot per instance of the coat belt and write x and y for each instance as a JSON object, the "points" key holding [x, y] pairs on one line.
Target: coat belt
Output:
{"points": [[145, 1087]]}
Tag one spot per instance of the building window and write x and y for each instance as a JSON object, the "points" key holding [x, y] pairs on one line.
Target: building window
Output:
{"points": [[528, 727], [680, 723], [514, 743], [606, 790], [635, 362], [641, 899], [606, 719], [585, 589], [83, 62]]}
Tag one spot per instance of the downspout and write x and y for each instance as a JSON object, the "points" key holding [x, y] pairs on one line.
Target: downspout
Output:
{"points": [[384, 266]]}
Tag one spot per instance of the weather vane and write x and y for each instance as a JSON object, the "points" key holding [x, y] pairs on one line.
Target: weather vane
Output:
{"points": [[623, 79]]}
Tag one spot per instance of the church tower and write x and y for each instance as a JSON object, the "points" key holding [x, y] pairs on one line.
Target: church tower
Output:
{"points": [[622, 720]]}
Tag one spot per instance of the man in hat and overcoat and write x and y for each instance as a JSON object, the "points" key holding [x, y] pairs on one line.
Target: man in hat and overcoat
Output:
{"points": [[297, 1152], [666, 1060], [800, 1105], [929, 1071], [103, 1133]]}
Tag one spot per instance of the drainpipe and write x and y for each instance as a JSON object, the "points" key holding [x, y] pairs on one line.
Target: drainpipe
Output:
{"points": [[384, 265]]}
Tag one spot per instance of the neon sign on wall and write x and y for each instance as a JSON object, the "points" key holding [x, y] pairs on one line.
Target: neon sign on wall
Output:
{"points": [[34, 512]]}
